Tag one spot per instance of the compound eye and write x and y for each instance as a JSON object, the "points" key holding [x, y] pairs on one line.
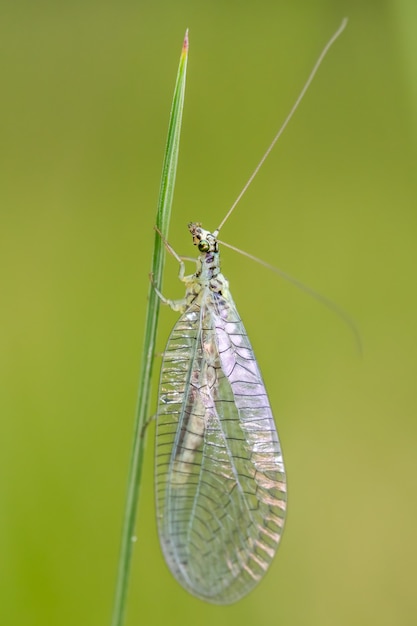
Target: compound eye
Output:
{"points": [[204, 246]]}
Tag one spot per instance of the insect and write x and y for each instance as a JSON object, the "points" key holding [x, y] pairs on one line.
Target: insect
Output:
{"points": [[220, 478], [221, 491]]}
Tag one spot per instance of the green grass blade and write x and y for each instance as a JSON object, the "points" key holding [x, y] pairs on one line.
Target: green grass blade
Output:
{"points": [[163, 215]]}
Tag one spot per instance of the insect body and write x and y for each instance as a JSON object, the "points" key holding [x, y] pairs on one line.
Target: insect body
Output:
{"points": [[220, 480]]}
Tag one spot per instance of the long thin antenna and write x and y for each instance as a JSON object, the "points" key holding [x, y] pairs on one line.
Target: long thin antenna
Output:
{"points": [[285, 124], [332, 306]]}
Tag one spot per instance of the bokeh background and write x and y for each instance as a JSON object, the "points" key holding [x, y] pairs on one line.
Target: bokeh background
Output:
{"points": [[86, 91]]}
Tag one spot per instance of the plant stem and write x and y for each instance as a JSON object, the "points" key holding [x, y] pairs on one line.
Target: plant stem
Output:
{"points": [[163, 215]]}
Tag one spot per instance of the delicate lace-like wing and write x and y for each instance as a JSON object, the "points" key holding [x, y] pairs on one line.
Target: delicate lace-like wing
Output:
{"points": [[220, 481]]}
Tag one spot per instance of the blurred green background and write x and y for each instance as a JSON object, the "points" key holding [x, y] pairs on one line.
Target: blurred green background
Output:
{"points": [[86, 91]]}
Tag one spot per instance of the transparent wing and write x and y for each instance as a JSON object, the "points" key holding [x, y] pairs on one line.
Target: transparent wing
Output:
{"points": [[220, 481]]}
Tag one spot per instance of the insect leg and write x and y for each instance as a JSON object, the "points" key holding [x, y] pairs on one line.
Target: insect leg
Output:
{"points": [[176, 305], [170, 249]]}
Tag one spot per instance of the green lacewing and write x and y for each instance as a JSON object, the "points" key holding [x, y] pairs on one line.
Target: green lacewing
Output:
{"points": [[220, 478]]}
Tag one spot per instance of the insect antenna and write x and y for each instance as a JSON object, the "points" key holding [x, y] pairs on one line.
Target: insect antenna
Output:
{"points": [[332, 306], [286, 122], [297, 283]]}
